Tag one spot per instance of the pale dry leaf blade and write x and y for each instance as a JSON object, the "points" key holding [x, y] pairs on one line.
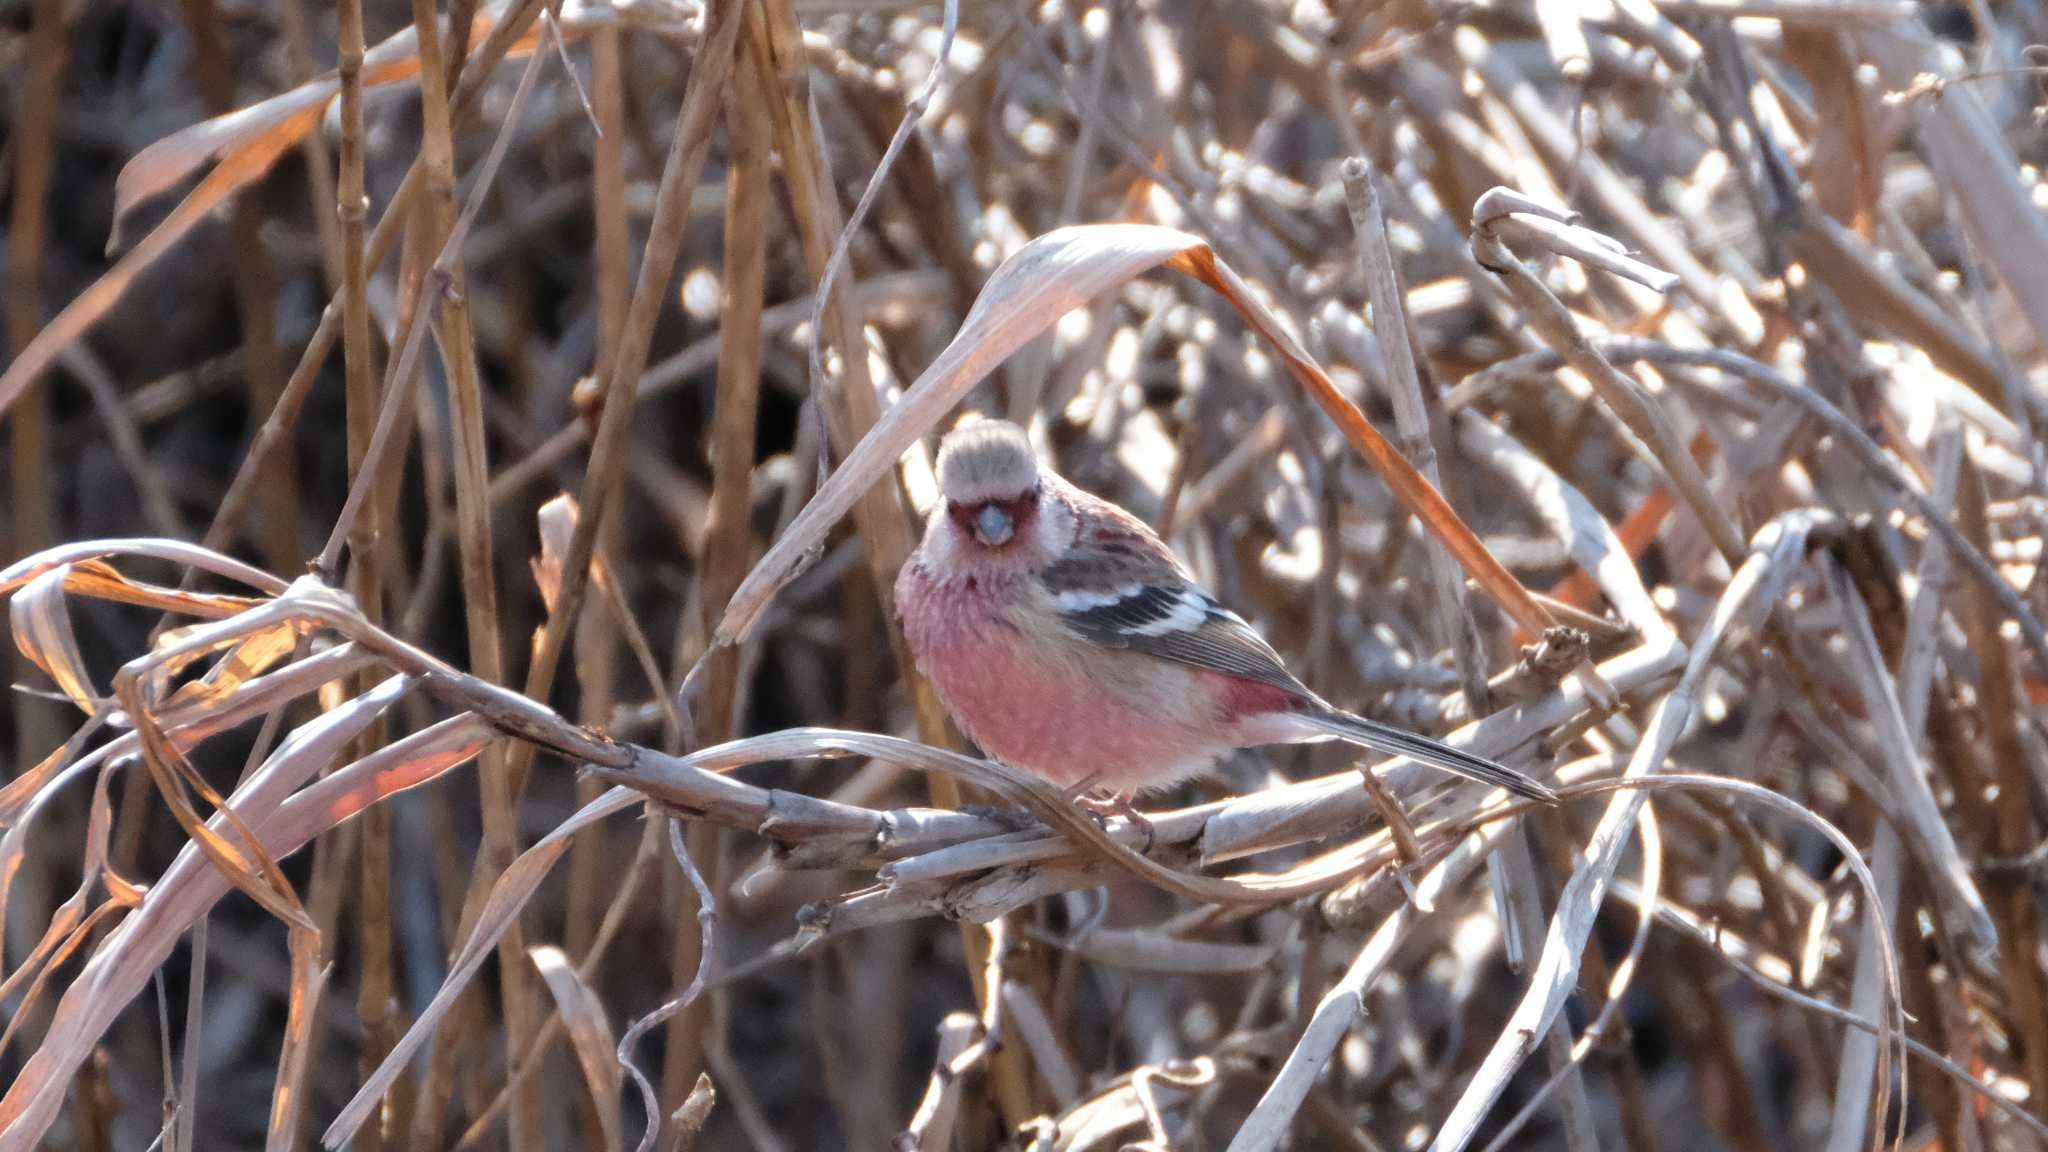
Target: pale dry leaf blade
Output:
{"points": [[101, 581], [162, 164], [40, 616], [284, 118], [287, 1101], [250, 657], [1041, 282], [307, 749], [259, 877], [590, 1035], [81, 553], [24, 788], [401, 765]]}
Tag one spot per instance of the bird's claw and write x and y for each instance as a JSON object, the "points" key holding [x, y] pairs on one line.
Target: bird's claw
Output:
{"points": [[1104, 804]]}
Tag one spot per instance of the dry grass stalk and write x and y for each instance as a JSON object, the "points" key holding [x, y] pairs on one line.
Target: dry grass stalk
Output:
{"points": [[443, 289], [1830, 712], [28, 431]]}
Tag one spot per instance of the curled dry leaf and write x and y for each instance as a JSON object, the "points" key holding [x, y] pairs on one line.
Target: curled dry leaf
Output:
{"points": [[240, 858], [251, 656], [1558, 230], [70, 926], [41, 619], [98, 579], [121, 967], [590, 1035]]}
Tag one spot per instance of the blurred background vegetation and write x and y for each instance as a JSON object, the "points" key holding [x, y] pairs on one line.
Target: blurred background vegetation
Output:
{"points": [[1820, 365]]}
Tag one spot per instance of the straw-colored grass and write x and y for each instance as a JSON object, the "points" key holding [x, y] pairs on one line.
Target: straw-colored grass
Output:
{"points": [[1642, 394]]}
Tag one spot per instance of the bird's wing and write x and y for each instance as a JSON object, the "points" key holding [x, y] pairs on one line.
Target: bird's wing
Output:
{"points": [[1121, 587]]}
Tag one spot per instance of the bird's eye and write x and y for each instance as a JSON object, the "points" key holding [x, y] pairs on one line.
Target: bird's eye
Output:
{"points": [[993, 525]]}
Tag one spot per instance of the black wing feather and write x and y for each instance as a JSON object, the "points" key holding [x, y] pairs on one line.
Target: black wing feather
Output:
{"points": [[1219, 640], [1118, 551]]}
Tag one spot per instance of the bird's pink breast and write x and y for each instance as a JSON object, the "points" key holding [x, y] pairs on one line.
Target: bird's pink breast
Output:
{"points": [[1065, 710]]}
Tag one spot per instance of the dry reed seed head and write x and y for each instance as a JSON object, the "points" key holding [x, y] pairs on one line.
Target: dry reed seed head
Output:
{"points": [[984, 461]]}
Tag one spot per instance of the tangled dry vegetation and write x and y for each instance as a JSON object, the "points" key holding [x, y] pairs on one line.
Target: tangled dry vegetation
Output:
{"points": [[459, 702]]}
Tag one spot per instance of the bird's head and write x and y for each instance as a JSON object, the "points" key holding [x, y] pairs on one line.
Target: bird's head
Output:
{"points": [[999, 514], [989, 483]]}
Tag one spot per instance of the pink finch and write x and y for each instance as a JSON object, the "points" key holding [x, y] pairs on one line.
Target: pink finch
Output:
{"points": [[1066, 639]]}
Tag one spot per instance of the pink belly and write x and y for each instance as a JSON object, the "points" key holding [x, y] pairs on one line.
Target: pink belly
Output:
{"points": [[1068, 714]]}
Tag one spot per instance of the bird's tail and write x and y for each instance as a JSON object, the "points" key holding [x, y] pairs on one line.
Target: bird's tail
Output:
{"points": [[1397, 742]]}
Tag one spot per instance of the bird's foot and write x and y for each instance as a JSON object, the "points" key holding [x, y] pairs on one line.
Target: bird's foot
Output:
{"points": [[1102, 804]]}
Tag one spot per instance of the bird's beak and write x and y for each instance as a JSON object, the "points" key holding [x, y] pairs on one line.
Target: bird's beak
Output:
{"points": [[992, 525]]}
